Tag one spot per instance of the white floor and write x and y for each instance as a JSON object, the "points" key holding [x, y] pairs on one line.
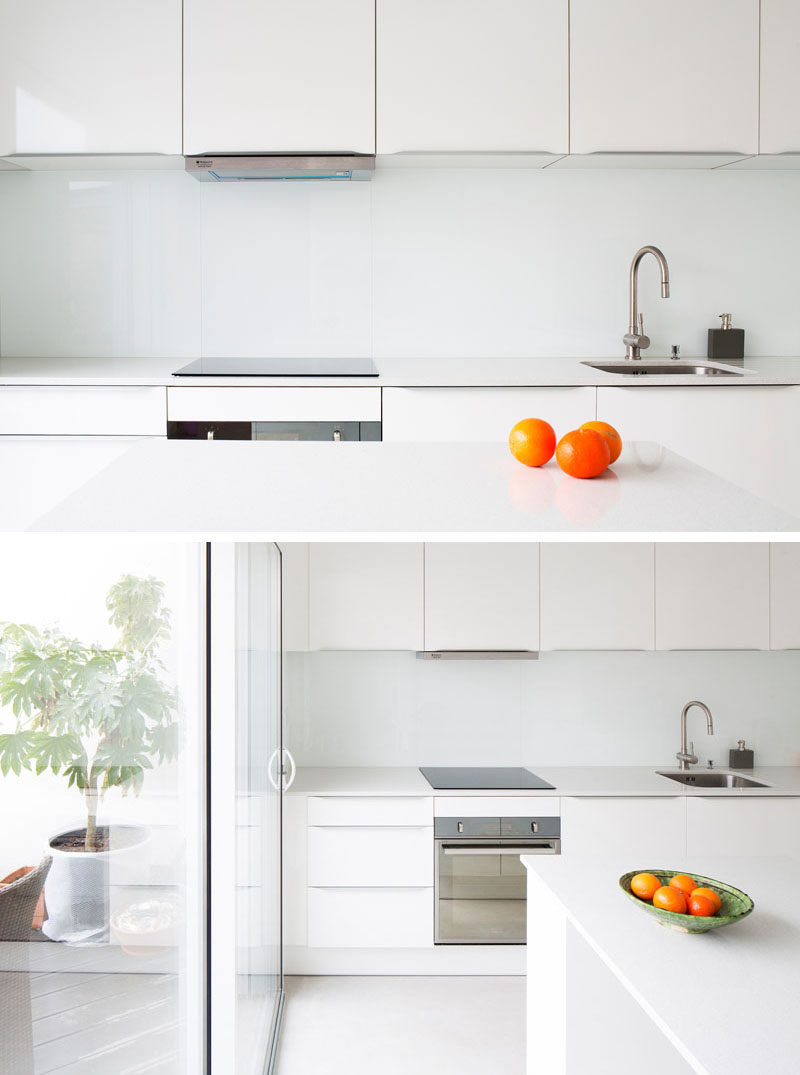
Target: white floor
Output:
{"points": [[394, 1025]]}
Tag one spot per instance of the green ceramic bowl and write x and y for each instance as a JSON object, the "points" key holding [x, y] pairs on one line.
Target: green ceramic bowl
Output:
{"points": [[736, 904]]}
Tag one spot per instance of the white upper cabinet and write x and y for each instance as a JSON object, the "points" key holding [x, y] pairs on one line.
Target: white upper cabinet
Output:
{"points": [[472, 75], [294, 595], [481, 596], [785, 595], [90, 76], [365, 596], [279, 76], [649, 76], [597, 596], [712, 595], [780, 76]]}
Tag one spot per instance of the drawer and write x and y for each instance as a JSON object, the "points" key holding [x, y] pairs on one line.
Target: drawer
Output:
{"points": [[370, 858], [361, 810], [274, 404], [496, 806], [370, 918], [63, 410]]}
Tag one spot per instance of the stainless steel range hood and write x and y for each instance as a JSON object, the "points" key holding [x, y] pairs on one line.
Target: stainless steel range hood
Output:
{"points": [[222, 168], [478, 655]]}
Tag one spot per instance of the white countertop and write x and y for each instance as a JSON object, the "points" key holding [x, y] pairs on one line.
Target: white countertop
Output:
{"points": [[576, 781], [392, 372], [282, 488], [727, 999]]}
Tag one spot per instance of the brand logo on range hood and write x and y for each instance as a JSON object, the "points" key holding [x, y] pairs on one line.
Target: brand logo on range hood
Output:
{"points": [[478, 655], [259, 167]]}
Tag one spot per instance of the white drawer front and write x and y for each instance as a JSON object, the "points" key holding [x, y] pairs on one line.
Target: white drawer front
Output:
{"points": [[370, 858], [274, 404], [336, 810], [86, 411], [496, 806], [370, 918]]}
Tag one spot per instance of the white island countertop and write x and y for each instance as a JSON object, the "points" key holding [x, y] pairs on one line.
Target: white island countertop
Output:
{"points": [[284, 488], [719, 1003], [397, 373], [568, 781]]}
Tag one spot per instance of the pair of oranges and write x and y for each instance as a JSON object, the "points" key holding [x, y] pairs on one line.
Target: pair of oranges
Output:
{"points": [[681, 896], [582, 453]]}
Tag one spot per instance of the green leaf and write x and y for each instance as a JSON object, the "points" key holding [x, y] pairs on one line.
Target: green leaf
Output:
{"points": [[16, 751], [56, 752], [164, 742]]}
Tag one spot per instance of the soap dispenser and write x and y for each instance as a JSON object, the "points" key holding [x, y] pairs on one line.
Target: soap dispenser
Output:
{"points": [[740, 758], [726, 344]]}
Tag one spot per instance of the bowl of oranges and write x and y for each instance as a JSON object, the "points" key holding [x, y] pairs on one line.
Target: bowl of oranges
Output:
{"points": [[686, 902]]}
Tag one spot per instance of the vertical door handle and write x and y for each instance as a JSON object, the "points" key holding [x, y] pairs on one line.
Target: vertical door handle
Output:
{"points": [[288, 780], [278, 775]]}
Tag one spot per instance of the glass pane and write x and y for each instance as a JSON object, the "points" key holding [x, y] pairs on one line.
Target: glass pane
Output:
{"points": [[481, 898], [101, 770], [258, 802]]}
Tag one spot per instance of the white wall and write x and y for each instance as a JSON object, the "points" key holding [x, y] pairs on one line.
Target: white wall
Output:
{"points": [[416, 263], [566, 709]]}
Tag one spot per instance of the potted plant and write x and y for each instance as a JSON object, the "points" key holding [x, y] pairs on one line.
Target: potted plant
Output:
{"points": [[99, 717]]}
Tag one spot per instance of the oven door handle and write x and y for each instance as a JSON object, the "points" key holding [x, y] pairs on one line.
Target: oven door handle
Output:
{"points": [[545, 848]]}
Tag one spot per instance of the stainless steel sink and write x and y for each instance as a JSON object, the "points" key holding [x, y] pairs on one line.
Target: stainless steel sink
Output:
{"points": [[666, 369], [714, 780]]}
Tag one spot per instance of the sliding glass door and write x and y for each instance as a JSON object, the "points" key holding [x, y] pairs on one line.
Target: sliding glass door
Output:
{"points": [[246, 755]]}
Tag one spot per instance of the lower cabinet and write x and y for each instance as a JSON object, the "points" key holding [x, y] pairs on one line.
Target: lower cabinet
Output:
{"points": [[743, 826], [370, 917], [74, 411], [649, 832]]}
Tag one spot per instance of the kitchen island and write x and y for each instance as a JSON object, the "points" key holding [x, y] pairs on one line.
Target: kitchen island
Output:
{"points": [[286, 488], [610, 990]]}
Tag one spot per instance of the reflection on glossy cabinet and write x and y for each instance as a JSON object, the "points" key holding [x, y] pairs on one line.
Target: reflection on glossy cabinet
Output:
{"points": [[780, 76], [294, 595], [597, 595], [644, 830], [90, 76], [712, 595], [481, 596], [487, 76], [784, 588], [365, 596], [675, 77], [739, 826], [279, 76]]}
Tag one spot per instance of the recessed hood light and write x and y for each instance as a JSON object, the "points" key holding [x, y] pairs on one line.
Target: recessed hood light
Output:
{"points": [[259, 167]]}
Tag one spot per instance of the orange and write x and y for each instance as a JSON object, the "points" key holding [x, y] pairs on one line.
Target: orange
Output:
{"points": [[644, 885], [611, 435], [684, 883], [709, 894], [532, 441], [670, 899], [701, 905], [583, 453]]}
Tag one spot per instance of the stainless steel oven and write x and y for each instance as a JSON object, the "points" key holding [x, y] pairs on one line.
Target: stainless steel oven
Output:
{"points": [[273, 430], [480, 883]]}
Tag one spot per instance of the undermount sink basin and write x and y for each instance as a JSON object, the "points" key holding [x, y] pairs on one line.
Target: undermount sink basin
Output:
{"points": [[677, 368], [714, 780]]}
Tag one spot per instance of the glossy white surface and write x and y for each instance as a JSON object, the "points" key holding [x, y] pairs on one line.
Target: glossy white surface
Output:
{"points": [[77, 411], [780, 77], [286, 75], [376, 918], [623, 825], [374, 487], [721, 826], [518, 102], [274, 405], [703, 95], [784, 596], [727, 962], [90, 77]]}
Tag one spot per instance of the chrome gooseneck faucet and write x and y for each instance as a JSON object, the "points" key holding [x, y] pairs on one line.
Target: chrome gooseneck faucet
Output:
{"points": [[688, 757], [635, 339]]}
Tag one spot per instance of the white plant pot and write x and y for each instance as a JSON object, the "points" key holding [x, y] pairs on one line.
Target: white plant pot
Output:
{"points": [[77, 889]]}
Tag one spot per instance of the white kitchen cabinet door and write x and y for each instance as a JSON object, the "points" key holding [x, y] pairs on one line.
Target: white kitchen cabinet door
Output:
{"points": [[648, 76], [597, 596], [294, 595], [365, 596], [390, 811], [295, 76], [74, 411], [90, 76], [784, 590], [373, 857], [780, 76], [705, 424], [646, 831], [481, 595], [480, 414], [739, 826], [712, 595], [482, 76], [370, 918]]}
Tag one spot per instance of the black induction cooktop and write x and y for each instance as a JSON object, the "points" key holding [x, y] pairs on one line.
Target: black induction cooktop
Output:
{"points": [[475, 779], [279, 367]]}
